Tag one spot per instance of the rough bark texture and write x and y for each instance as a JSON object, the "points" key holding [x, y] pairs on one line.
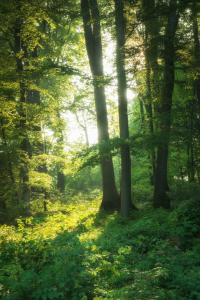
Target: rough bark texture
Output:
{"points": [[90, 14], [126, 202], [160, 196]]}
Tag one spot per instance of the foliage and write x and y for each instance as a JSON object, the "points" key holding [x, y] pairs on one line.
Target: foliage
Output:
{"points": [[76, 251]]}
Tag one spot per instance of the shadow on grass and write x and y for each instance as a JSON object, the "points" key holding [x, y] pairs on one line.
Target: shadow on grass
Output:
{"points": [[104, 255]]}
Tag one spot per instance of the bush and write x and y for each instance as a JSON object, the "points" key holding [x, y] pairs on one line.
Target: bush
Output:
{"points": [[189, 212]]}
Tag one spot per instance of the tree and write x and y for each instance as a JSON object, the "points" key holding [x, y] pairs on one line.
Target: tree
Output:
{"points": [[23, 112], [91, 21], [160, 196], [126, 202], [196, 47]]}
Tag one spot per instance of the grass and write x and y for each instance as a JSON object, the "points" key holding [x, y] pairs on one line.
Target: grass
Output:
{"points": [[76, 252]]}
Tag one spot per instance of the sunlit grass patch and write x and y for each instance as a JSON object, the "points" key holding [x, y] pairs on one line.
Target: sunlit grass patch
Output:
{"points": [[76, 251]]}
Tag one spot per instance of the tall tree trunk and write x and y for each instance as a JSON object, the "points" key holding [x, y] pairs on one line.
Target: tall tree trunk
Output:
{"points": [[111, 199], [151, 55], [33, 97], [23, 117], [8, 163], [192, 169], [126, 202], [84, 127], [197, 56], [148, 106], [8, 155], [196, 48], [152, 160], [160, 196], [60, 174]]}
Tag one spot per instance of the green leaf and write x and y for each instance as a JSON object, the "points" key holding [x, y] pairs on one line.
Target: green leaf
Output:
{"points": [[44, 297], [51, 295]]}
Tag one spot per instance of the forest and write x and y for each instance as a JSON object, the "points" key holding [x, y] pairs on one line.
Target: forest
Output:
{"points": [[99, 149]]}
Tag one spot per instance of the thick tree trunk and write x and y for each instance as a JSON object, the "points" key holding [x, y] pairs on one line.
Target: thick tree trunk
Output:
{"points": [[92, 31], [126, 202], [160, 196]]}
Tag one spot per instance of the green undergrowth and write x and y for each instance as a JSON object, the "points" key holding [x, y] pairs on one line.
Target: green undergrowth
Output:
{"points": [[77, 252]]}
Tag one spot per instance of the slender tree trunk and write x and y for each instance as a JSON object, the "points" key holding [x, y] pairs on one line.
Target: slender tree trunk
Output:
{"points": [[192, 178], [33, 97], [23, 115], [88, 144], [8, 155], [196, 47], [126, 202], [60, 181], [181, 172], [60, 175], [141, 110], [152, 161], [153, 155], [197, 58], [160, 196], [192, 165], [148, 106], [46, 194], [84, 127], [92, 31], [188, 162], [151, 53], [152, 28]]}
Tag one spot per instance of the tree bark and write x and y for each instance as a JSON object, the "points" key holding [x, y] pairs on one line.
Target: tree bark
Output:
{"points": [[33, 97], [60, 174], [148, 107], [8, 155], [160, 196], [23, 118], [84, 127], [151, 55], [196, 48], [90, 14], [126, 202]]}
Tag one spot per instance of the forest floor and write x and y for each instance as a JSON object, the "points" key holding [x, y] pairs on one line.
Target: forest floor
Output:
{"points": [[75, 251]]}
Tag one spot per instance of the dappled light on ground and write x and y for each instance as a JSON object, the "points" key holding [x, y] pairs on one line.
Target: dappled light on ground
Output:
{"points": [[76, 251]]}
